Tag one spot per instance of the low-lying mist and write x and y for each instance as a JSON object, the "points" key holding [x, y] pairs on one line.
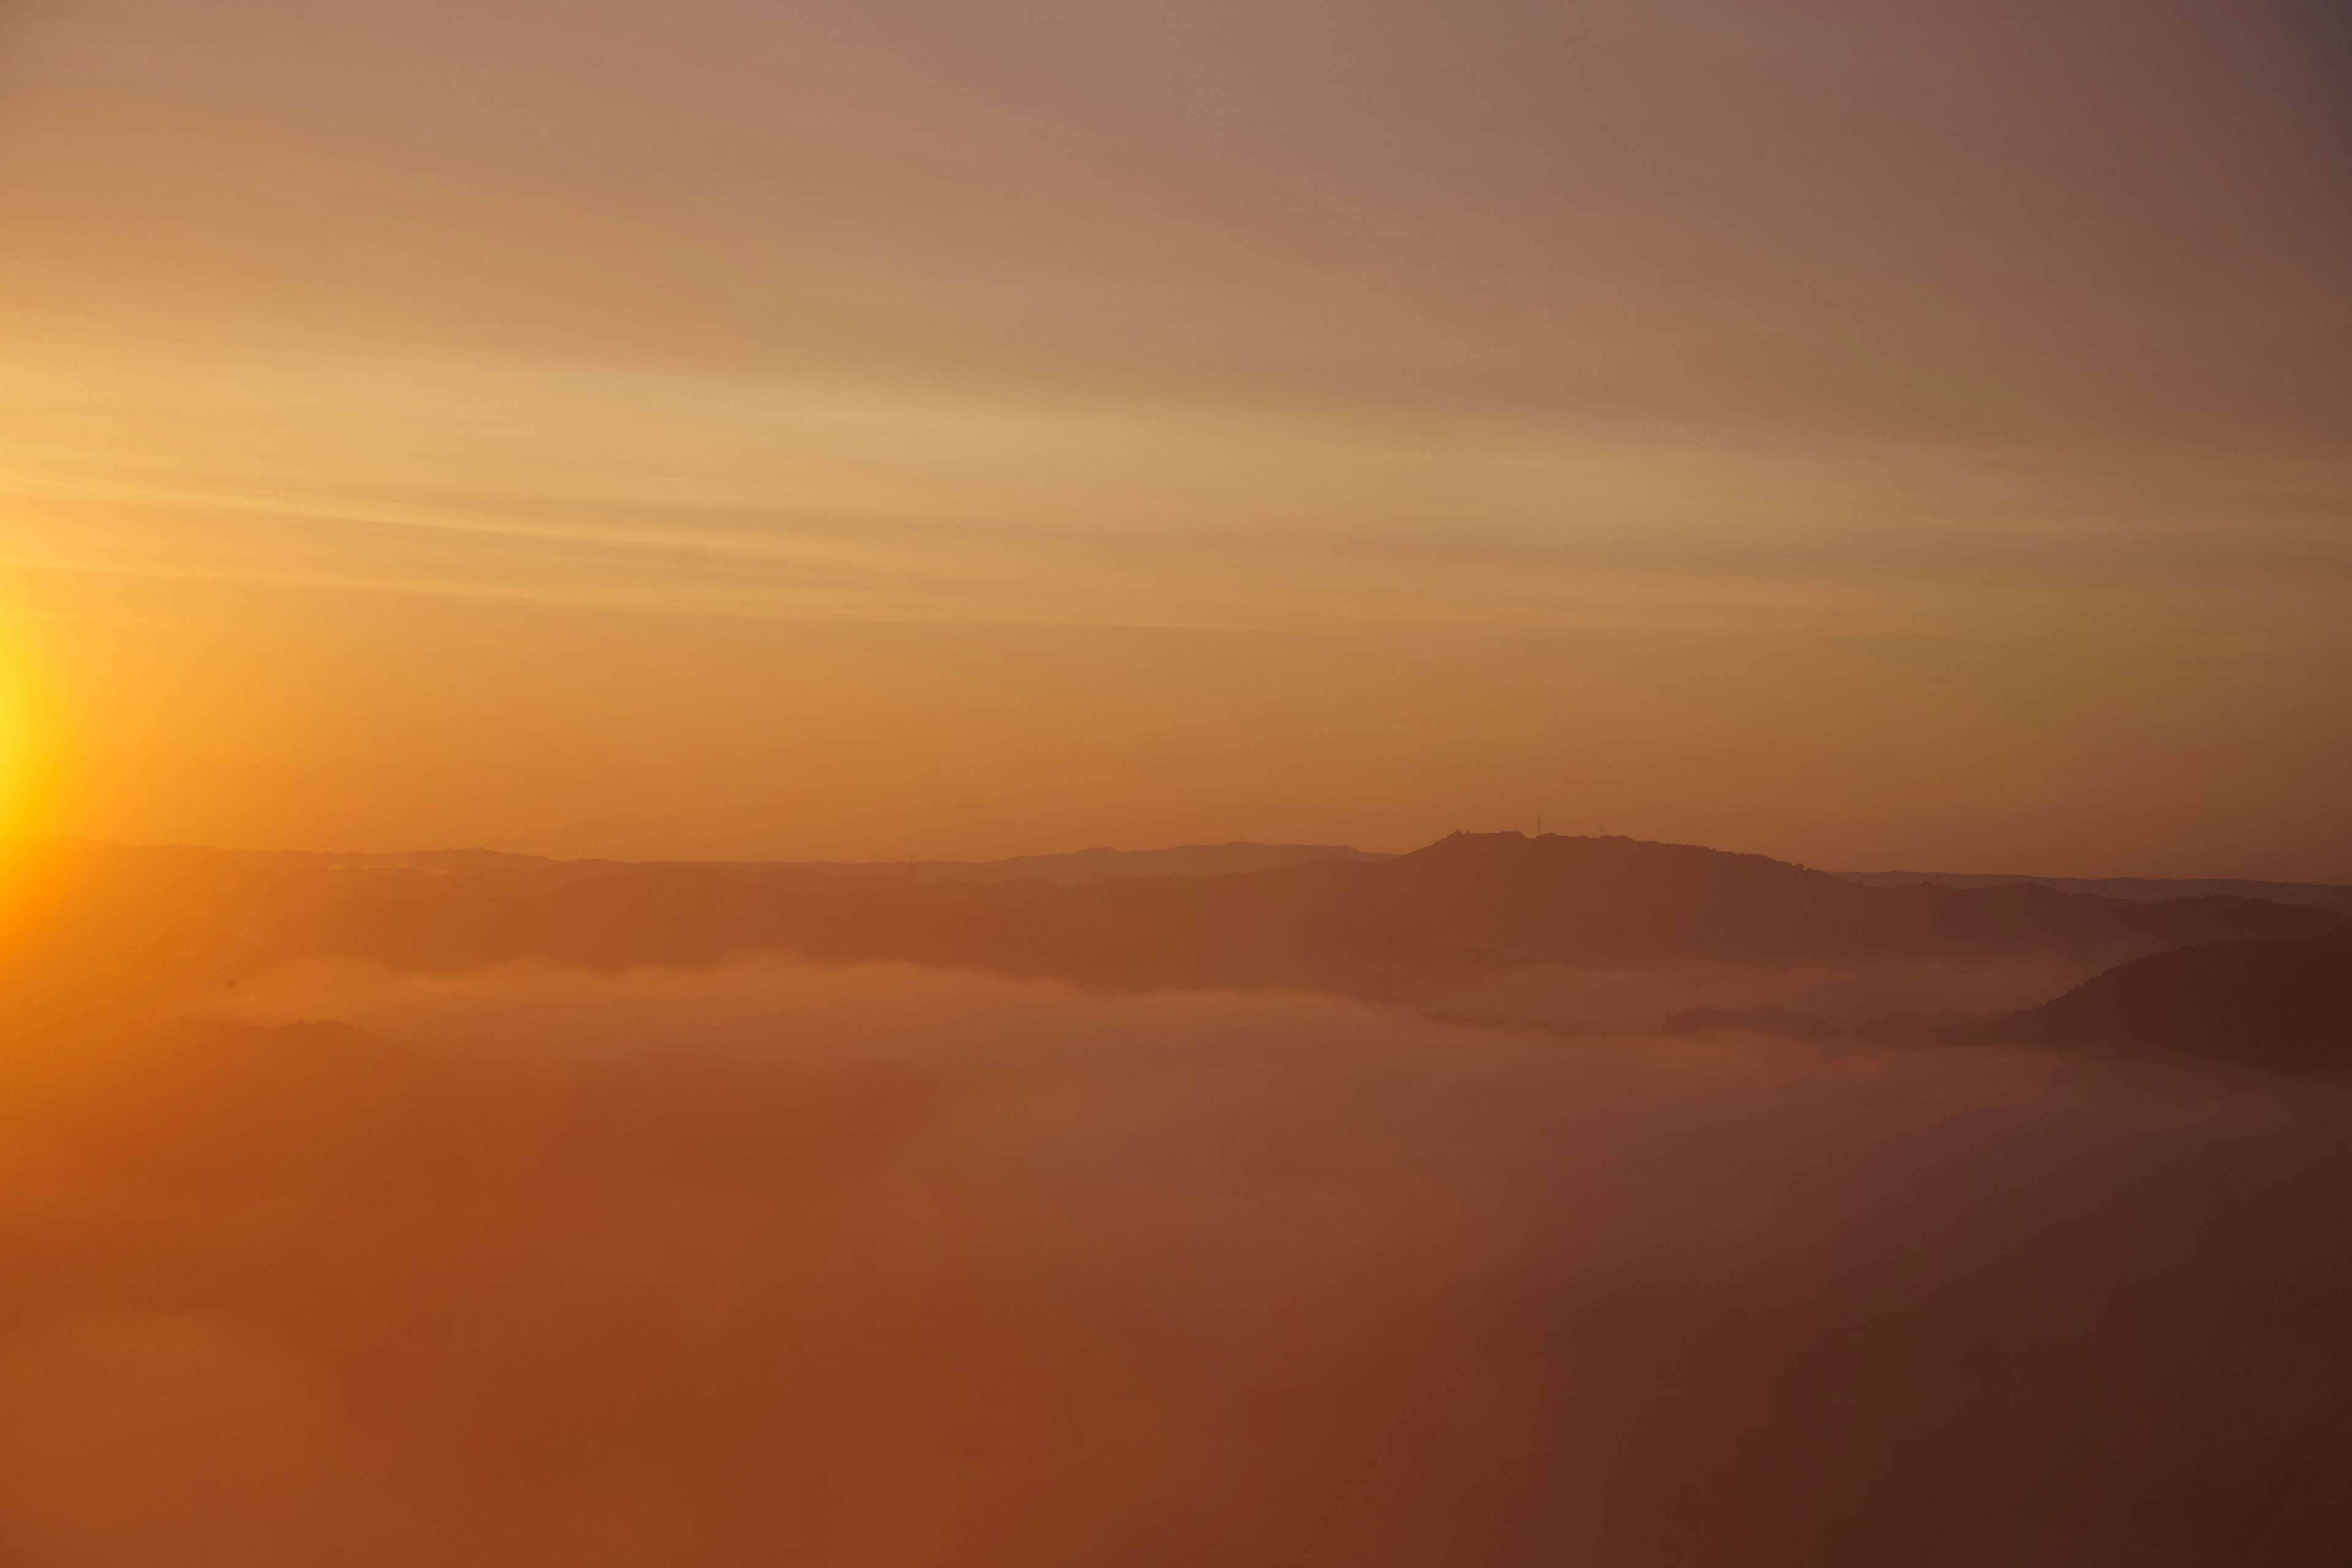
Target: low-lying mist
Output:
{"points": [[1576, 998], [880, 1266]]}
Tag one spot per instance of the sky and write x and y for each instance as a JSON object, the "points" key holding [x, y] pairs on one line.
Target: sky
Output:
{"points": [[1882, 436]]}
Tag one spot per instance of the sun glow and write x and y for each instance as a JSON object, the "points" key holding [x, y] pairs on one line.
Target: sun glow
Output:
{"points": [[12, 762], [23, 777]]}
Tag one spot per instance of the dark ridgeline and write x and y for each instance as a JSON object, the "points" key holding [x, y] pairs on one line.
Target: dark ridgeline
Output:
{"points": [[2250, 980], [1465, 909], [1079, 866], [2286, 1004]]}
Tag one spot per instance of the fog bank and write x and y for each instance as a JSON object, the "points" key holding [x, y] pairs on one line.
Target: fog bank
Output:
{"points": [[882, 1266]]}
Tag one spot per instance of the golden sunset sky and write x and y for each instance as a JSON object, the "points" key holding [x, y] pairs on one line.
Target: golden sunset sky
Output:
{"points": [[1876, 435]]}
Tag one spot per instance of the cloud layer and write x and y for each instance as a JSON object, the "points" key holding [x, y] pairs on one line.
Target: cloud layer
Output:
{"points": [[884, 1267]]}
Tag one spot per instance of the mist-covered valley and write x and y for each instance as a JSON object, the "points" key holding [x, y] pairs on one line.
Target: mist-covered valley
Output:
{"points": [[758, 1255]]}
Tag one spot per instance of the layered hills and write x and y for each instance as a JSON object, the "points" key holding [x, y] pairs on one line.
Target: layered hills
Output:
{"points": [[2220, 974], [1410, 928], [1102, 865]]}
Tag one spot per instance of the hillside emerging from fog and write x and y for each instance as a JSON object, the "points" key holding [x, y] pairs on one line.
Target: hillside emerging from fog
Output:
{"points": [[1427, 929], [1467, 908], [2264, 1004]]}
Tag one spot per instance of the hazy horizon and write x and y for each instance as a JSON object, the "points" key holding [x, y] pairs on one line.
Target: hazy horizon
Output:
{"points": [[713, 431], [395, 852]]}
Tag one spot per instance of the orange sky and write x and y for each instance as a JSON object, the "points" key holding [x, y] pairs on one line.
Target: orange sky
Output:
{"points": [[1879, 436]]}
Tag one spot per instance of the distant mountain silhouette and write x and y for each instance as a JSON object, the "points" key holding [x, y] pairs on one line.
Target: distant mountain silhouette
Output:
{"points": [[1412, 927], [2142, 889], [2262, 1004], [1090, 864]]}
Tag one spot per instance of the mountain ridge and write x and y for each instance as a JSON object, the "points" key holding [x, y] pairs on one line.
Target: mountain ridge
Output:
{"points": [[1467, 908]]}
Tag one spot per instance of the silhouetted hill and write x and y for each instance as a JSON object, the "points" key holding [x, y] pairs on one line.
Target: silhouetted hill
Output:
{"points": [[2142, 889], [2262, 1004], [1469, 907], [1088, 865]]}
